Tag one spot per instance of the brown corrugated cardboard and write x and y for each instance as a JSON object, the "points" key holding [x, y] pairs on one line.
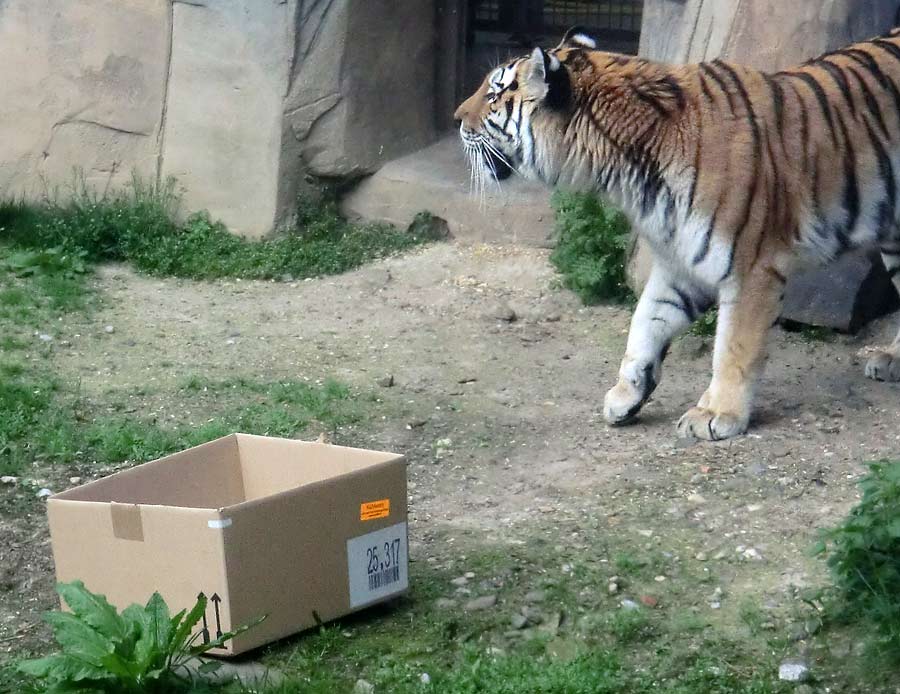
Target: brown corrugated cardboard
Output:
{"points": [[300, 532]]}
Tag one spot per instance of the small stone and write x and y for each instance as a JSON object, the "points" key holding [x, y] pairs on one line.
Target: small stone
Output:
{"points": [[503, 312], [468, 574], [696, 499], [535, 596], [44, 337], [425, 678], [629, 605], [485, 602], [75, 480], [445, 604], [518, 621], [649, 600], [612, 588], [363, 687], [660, 579], [793, 671], [229, 341], [9, 479], [460, 581], [700, 556], [44, 493], [109, 330], [386, 381], [416, 423], [532, 615]]}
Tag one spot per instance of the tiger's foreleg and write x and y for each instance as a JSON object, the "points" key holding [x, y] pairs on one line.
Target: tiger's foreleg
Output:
{"points": [[884, 364], [666, 308], [746, 315]]}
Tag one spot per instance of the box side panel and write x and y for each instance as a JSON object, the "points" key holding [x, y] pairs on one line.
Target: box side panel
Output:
{"points": [[206, 476], [287, 557], [271, 465], [131, 552]]}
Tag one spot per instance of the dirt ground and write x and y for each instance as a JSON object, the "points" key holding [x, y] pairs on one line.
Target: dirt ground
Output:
{"points": [[501, 419]]}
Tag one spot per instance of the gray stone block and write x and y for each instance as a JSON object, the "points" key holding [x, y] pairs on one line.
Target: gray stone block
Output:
{"points": [[844, 295]]}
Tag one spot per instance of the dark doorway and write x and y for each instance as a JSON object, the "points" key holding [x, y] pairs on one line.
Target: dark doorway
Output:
{"points": [[498, 29]]}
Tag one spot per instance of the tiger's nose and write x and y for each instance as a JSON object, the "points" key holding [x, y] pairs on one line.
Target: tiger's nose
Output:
{"points": [[460, 114]]}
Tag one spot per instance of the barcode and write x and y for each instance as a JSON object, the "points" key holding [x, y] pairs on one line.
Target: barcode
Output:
{"points": [[383, 578]]}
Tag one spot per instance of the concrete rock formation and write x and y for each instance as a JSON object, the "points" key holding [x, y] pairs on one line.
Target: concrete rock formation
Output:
{"points": [[240, 100]]}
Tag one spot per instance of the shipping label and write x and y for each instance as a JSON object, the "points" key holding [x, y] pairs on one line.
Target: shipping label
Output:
{"points": [[377, 563]]}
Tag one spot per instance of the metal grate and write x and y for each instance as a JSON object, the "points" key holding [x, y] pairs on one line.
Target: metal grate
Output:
{"points": [[487, 11], [612, 19]]}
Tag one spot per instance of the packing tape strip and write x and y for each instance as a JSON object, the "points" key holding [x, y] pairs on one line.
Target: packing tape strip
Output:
{"points": [[223, 523], [126, 521]]}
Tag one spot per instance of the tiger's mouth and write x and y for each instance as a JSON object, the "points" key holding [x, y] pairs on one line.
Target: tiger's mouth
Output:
{"points": [[497, 166]]}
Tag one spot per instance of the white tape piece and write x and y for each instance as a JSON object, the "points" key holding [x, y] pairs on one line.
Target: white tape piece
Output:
{"points": [[224, 523], [377, 564]]}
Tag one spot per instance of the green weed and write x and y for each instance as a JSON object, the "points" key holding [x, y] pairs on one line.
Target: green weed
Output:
{"points": [[142, 650], [591, 249], [863, 554], [139, 225]]}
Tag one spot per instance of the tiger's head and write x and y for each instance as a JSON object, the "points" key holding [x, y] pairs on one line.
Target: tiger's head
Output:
{"points": [[498, 123]]}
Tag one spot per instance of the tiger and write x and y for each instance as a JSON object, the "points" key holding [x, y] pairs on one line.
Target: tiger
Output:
{"points": [[732, 177]]}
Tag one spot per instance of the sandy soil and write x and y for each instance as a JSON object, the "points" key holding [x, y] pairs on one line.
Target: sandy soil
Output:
{"points": [[500, 419]]}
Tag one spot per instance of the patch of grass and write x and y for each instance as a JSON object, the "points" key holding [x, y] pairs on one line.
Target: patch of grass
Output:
{"points": [[139, 225], [863, 554], [705, 325], [591, 249]]}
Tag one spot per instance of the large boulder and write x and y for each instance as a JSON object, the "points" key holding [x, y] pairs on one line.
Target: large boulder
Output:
{"points": [[771, 35], [83, 87]]}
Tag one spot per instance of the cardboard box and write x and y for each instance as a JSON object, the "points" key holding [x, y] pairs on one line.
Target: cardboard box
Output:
{"points": [[300, 532]]}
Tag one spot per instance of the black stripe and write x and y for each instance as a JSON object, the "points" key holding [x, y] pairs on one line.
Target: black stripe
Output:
{"points": [[888, 207], [778, 102], [697, 162], [648, 99], [707, 238], [704, 85], [867, 60], [757, 161], [851, 190], [674, 304], [822, 98], [509, 112], [871, 101], [776, 274], [707, 68], [804, 125], [893, 272], [840, 79], [686, 299], [676, 91]]}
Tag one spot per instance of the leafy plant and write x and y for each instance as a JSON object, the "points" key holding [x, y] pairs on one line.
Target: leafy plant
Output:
{"points": [[143, 649], [863, 554], [592, 248], [705, 325]]}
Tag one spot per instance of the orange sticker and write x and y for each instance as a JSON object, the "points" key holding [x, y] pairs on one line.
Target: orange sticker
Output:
{"points": [[375, 509]]}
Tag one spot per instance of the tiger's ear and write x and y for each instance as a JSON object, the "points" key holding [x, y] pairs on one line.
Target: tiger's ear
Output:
{"points": [[539, 71], [579, 37]]}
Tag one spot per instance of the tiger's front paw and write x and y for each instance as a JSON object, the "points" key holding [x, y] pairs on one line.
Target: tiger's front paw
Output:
{"points": [[701, 423], [622, 403], [883, 365]]}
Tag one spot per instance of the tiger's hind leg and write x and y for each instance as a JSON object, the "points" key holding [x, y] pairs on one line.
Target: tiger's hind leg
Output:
{"points": [[746, 315], [666, 308], [884, 365]]}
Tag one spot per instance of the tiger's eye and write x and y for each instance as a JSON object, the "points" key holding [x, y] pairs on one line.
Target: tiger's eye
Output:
{"points": [[513, 85]]}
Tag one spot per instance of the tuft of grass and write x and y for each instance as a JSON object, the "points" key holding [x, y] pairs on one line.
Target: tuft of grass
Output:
{"points": [[863, 554], [592, 248], [140, 225], [705, 325]]}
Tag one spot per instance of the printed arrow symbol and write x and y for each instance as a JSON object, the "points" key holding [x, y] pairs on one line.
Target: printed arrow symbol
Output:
{"points": [[215, 601], [205, 631]]}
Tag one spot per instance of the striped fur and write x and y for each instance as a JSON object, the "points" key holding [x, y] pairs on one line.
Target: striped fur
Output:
{"points": [[732, 176]]}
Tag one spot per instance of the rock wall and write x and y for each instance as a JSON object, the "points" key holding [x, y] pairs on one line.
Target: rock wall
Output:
{"points": [[767, 34], [240, 100]]}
